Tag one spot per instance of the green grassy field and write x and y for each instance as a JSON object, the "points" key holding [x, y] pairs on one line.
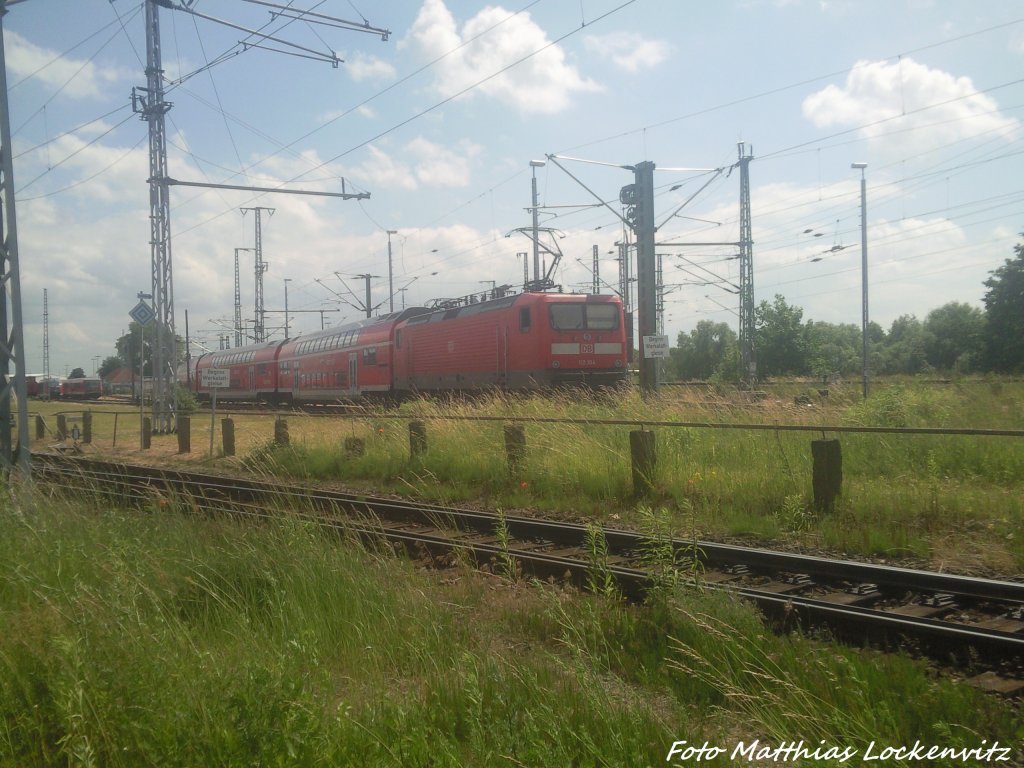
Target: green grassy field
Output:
{"points": [[947, 502], [155, 638]]}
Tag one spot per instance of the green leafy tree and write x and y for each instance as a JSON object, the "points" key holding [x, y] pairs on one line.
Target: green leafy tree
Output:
{"points": [[904, 348], [701, 353], [109, 365], [833, 348], [953, 335], [1004, 315], [781, 346], [76, 373], [128, 347]]}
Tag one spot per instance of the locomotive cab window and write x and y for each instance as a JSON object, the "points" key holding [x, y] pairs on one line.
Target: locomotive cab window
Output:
{"points": [[602, 317], [577, 317], [524, 319]]}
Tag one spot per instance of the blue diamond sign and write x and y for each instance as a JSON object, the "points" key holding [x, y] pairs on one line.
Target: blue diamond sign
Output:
{"points": [[142, 313]]}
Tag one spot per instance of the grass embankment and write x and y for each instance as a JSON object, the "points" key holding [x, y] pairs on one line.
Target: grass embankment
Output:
{"points": [[953, 502], [156, 639]]}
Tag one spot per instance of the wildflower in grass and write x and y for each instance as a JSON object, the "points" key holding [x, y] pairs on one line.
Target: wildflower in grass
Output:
{"points": [[524, 485]]}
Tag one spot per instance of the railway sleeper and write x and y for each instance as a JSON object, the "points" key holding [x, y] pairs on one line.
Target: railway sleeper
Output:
{"points": [[991, 682], [848, 598]]}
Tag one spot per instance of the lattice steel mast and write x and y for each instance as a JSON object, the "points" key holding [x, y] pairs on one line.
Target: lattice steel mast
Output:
{"points": [[238, 303], [149, 103], [12, 340], [748, 358], [46, 342], [260, 269]]}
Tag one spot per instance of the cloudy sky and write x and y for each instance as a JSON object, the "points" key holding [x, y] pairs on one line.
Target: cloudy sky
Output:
{"points": [[440, 122]]}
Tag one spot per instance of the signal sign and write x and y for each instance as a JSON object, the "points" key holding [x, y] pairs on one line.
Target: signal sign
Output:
{"points": [[142, 313]]}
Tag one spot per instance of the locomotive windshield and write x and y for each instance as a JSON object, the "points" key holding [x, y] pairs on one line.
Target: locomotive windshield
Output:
{"points": [[579, 316]]}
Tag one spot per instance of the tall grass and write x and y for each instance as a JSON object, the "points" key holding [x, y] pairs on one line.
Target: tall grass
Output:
{"points": [[904, 495], [158, 639]]}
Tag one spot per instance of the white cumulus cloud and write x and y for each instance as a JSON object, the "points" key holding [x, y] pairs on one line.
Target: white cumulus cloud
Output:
{"points": [[629, 50], [939, 107], [419, 162], [77, 78], [362, 67], [543, 83]]}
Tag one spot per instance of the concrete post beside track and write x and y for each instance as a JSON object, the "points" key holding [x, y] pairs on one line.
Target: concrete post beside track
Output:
{"points": [[184, 434], [644, 461], [227, 430], [827, 473], [281, 431], [417, 438], [515, 447]]}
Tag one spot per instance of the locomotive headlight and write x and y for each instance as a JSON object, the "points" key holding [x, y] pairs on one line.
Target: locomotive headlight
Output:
{"points": [[556, 364], [618, 363]]}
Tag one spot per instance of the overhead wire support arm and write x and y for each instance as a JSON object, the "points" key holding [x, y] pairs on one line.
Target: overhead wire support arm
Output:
{"points": [[276, 190], [332, 59], [329, 21], [555, 158], [718, 172]]}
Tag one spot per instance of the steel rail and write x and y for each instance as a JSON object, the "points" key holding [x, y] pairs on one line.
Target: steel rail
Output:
{"points": [[445, 529], [620, 542]]}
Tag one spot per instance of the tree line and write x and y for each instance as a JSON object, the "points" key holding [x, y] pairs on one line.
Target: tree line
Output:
{"points": [[955, 337]]}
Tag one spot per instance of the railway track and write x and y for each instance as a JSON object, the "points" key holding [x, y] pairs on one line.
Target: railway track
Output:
{"points": [[964, 621]]}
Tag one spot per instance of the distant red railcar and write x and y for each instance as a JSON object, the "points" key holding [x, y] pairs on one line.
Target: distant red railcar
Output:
{"points": [[252, 372], [81, 389], [522, 342]]}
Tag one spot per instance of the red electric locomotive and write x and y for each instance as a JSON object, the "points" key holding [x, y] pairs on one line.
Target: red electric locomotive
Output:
{"points": [[527, 341]]}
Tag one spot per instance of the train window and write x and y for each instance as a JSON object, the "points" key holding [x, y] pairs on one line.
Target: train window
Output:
{"points": [[602, 317], [398, 339], [576, 317], [524, 319], [370, 356], [567, 317]]}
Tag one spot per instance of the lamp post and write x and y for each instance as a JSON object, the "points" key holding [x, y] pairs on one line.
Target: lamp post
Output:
{"points": [[863, 270], [286, 281], [534, 165], [391, 283]]}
